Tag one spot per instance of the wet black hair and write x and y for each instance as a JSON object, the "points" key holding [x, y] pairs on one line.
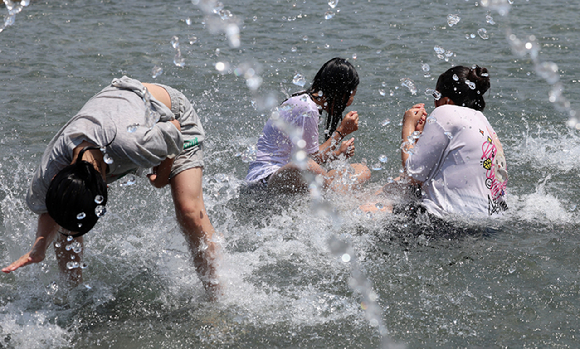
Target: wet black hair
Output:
{"points": [[77, 196], [337, 79], [465, 86]]}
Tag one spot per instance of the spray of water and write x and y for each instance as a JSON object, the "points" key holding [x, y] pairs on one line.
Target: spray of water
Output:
{"points": [[13, 8], [530, 47]]}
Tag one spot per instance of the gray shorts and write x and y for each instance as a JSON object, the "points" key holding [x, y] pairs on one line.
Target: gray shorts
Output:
{"points": [[191, 130]]}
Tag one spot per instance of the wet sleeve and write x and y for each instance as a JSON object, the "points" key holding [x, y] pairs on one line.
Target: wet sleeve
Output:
{"points": [[427, 155], [310, 131]]}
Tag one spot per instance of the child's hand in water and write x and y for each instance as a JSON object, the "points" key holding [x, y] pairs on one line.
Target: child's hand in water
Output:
{"points": [[349, 124], [347, 148]]}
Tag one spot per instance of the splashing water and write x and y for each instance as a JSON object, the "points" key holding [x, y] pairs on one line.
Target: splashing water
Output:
{"points": [[299, 80], [501, 6], [107, 159], [453, 19], [489, 19], [426, 70], [13, 9], [409, 84], [156, 71], [482, 32]]}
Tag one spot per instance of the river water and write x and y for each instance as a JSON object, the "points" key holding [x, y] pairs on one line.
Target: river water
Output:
{"points": [[297, 272]]}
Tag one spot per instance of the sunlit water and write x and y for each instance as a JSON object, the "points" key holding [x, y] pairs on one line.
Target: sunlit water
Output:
{"points": [[513, 282]]}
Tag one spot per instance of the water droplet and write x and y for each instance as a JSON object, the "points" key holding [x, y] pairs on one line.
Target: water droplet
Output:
{"points": [[332, 3], [376, 167], [415, 135], [453, 19], [132, 128], [448, 134], [77, 247], [501, 6], [431, 119], [57, 244], [84, 266], [548, 71], [254, 82], [130, 179], [320, 93], [426, 68], [305, 38], [80, 225], [409, 84], [386, 122], [489, 19], [354, 56], [218, 6], [175, 42], [294, 49], [299, 80], [346, 258], [178, 60], [249, 154], [107, 159], [68, 247], [455, 77], [383, 158], [329, 15], [512, 269], [304, 98], [439, 50], [70, 265], [379, 205], [470, 84], [156, 71], [100, 210], [188, 21], [81, 215], [482, 32], [255, 18], [99, 199], [225, 14], [382, 92], [69, 238]]}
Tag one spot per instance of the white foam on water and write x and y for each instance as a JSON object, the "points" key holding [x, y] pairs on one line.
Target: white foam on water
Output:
{"points": [[31, 330], [549, 149]]}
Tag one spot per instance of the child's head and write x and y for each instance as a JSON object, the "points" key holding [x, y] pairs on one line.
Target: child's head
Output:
{"points": [[464, 86], [337, 79], [77, 196]]}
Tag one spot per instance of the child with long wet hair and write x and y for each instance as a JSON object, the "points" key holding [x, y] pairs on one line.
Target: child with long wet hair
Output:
{"points": [[335, 83], [294, 131]]}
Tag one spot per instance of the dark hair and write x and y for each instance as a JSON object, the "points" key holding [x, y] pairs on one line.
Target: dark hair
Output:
{"points": [[77, 196], [465, 86], [337, 79]]}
